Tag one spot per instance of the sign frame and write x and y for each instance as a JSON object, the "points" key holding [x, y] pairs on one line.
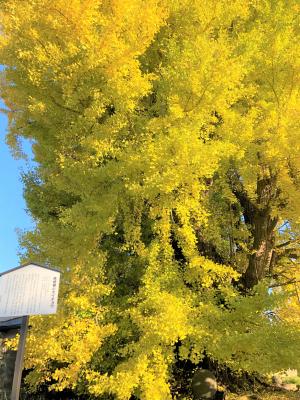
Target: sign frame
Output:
{"points": [[26, 292], [15, 393]]}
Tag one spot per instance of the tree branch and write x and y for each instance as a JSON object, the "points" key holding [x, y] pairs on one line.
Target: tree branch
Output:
{"points": [[64, 107], [292, 281]]}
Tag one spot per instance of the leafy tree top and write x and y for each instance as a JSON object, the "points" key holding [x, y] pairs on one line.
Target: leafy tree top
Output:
{"points": [[167, 140]]}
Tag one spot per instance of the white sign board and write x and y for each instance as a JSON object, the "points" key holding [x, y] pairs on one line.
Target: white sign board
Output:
{"points": [[28, 290]]}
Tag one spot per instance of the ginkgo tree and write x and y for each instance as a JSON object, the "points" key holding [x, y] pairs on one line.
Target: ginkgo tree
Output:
{"points": [[166, 137]]}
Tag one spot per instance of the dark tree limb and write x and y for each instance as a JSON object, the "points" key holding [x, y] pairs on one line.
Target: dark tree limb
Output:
{"points": [[258, 215]]}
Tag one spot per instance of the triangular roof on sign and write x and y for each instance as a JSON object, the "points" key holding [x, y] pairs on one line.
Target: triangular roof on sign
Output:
{"points": [[27, 265]]}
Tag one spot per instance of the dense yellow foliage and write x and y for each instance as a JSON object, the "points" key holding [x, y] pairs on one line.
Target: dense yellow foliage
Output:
{"points": [[151, 122]]}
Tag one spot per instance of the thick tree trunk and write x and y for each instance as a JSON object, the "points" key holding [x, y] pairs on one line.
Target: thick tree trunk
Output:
{"points": [[258, 216], [263, 246]]}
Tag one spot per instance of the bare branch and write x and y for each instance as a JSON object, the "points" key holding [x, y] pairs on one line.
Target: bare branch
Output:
{"points": [[292, 281]]}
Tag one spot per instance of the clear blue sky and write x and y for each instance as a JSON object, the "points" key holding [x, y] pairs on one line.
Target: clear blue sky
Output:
{"points": [[12, 206]]}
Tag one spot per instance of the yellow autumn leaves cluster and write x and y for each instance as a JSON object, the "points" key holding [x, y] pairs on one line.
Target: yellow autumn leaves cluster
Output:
{"points": [[152, 124]]}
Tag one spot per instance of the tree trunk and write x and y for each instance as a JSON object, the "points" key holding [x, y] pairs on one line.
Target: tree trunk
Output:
{"points": [[258, 216], [263, 247], [263, 230]]}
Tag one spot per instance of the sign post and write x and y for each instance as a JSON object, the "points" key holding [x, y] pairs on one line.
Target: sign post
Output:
{"points": [[30, 289], [15, 393]]}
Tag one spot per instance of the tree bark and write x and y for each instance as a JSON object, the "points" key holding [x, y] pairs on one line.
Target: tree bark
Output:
{"points": [[263, 246], [258, 216]]}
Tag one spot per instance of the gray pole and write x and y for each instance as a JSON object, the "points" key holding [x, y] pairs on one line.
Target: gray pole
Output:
{"points": [[15, 393]]}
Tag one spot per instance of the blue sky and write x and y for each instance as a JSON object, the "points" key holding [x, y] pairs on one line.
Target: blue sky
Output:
{"points": [[12, 206]]}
